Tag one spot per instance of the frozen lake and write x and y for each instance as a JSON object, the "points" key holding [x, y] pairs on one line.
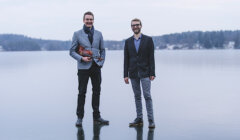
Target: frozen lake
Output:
{"points": [[196, 96]]}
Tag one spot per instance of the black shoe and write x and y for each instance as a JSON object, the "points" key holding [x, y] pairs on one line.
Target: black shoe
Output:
{"points": [[101, 121], [136, 122], [79, 122], [151, 124]]}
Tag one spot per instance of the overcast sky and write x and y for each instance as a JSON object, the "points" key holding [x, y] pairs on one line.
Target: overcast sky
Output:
{"points": [[58, 19]]}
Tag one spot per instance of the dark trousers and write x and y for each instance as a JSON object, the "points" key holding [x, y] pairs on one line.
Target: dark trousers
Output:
{"points": [[83, 75]]}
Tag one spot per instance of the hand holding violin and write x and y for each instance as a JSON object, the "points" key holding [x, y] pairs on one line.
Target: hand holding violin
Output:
{"points": [[86, 59], [87, 55]]}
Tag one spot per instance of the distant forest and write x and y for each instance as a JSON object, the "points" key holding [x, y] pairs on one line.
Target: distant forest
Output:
{"points": [[185, 40]]}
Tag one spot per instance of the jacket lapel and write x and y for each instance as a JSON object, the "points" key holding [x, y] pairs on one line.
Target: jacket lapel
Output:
{"points": [[133, 45], [85, 37], [94, 36]]}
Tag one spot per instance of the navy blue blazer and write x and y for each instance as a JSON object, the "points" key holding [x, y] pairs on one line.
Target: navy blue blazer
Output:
{"points": [[139, 64]]}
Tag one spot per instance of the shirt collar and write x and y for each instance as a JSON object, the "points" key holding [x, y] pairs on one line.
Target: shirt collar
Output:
{"points": [[140, 37]]}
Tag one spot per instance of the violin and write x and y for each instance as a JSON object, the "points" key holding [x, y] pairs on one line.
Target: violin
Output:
{"points": [[87, 53]]}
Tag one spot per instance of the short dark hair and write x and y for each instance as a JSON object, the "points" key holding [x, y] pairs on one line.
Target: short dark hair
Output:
{"points": [[88, 13], [136, 19]]}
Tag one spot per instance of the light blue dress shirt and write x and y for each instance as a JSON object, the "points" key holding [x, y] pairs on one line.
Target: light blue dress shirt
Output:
{"points": [[137, 42]]}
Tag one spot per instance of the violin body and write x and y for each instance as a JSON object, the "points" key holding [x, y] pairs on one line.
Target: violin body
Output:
{"points": [[84, 53], [87, 53]]}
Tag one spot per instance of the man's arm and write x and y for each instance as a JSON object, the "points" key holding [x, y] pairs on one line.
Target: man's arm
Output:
{"points": [[151, 59], [126, 63], [102, 50], [73, 52]]}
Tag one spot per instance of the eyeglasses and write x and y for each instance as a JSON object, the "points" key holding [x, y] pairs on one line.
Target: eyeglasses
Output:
{"points": [[89, 19], [133, 25]]}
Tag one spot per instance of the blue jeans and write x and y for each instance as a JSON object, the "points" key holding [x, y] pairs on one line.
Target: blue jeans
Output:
{"points": [[146, 87]]}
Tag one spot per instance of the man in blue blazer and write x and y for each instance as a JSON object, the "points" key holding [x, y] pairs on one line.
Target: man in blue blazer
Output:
{"points": [[139, 66], [89, 67]]}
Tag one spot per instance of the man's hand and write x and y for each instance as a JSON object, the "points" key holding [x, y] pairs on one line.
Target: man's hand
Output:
{"points": [[152, 78], [86, 59], [126, 80]]}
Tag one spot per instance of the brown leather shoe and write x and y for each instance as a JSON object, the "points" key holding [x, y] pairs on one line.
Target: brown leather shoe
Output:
{"points": [[101, 121], [151, 124], [136, 122], [79, 122]]}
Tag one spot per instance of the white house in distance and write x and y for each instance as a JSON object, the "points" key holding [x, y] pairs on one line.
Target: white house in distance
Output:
{"points": [[1, 48]]}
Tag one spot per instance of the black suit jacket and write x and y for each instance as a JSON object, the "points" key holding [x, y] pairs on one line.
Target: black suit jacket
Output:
{"points": [[139, 64]]}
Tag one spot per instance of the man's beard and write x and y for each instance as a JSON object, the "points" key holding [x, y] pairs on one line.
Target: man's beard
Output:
{"points": [[137, 31]]}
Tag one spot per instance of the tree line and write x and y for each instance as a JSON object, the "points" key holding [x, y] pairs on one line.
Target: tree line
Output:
{"points": [[185, 40]]}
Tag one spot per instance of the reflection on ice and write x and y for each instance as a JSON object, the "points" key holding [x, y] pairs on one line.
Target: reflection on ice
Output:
{"points": [[139, 131], [195, 96], [96, 132]]}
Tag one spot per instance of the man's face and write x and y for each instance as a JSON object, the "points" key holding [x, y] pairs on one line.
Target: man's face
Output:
{"points": [[136, 27], [88, 21]]}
